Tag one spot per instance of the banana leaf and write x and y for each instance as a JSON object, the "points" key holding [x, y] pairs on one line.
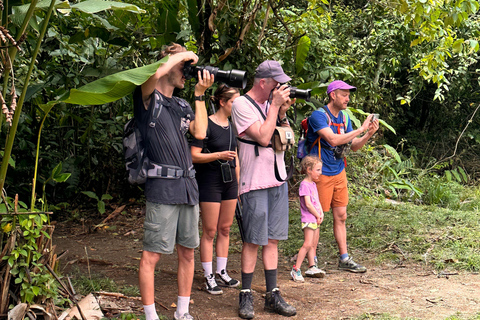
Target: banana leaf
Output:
{"points": [[110, 88]]}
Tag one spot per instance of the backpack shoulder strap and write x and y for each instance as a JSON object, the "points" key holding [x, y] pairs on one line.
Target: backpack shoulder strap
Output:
{"points": [[256, 106], [156, 108], [322, 109], [346, 118]]}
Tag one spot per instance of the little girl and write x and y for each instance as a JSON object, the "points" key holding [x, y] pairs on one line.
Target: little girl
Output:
{"points": [[312, 217]]}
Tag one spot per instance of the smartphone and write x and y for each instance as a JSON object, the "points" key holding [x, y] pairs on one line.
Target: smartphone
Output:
{"points": [[376, 116]]}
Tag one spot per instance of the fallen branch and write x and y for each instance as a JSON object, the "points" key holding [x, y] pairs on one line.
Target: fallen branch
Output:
{"points": [[116, 294], [72, 297], [111, 216]]}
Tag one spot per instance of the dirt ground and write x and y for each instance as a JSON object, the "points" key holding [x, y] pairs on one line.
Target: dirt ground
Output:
{"points": [[408, 291]]}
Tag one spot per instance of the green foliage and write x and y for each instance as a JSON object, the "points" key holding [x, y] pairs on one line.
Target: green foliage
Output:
{"points": [[100, 201], [24, 260]]}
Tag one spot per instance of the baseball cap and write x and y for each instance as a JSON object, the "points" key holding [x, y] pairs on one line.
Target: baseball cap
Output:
{"points": [[339, 84], [271, 69]]}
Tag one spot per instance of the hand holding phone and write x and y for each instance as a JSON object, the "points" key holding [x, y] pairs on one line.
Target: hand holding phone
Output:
{"points": [[376, 116]]}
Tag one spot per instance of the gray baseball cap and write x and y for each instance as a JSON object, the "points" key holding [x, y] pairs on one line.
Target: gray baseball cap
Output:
{"points": [[271, 69]]}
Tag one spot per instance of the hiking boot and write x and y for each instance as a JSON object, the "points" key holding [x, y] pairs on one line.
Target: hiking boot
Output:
{"points": [[296, 275], [245, 304], [275, 303], [315, 272], [186, 316], [350, 265], [225, 281], [211, 285]]}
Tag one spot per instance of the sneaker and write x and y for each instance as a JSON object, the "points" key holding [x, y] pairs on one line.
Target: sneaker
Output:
{"points": [[211, 285], [225, 281], [245, 304], [296, 275], [186, 316], [315, 272], [350, 265], [275, 303]]}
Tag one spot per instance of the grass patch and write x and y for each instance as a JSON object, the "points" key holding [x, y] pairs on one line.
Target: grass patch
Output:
{"points": [[84, 285], [384, 316], [438, 237]]}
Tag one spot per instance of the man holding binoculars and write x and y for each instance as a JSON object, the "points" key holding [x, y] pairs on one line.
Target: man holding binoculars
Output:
{"points": [[264, 198]]}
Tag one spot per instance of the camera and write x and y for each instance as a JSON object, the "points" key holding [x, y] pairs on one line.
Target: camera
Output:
{"points": [[342, 151], [232, 78], [226, 172], [300, 93]]}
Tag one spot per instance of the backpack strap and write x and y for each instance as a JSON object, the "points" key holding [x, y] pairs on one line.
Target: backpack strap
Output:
{"points": [[256, 144]]}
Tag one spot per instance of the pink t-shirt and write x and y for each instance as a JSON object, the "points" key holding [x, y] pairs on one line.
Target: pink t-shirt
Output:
{"points": [[255, 172], [308, 189]]}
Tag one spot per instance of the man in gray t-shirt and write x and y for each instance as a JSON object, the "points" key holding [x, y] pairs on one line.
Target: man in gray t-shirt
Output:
{"points": [[171, 190]]}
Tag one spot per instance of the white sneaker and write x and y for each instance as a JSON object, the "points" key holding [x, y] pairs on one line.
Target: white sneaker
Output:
{"points": [[297, 275], [186, 316], [211, 285], [226, 281], [315, 272]]}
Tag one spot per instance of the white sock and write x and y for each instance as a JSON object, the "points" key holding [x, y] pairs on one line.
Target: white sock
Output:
{"points": [[150, 312], [182, 306], [207, 268], [221, 264]]}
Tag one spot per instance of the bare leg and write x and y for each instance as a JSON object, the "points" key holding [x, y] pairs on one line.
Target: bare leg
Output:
{"points": [[339, 228], [306, 247], [249, 257], [146, 276], [210, 213], [270, 255], [313, 250], [186, 267], [227, 211]]}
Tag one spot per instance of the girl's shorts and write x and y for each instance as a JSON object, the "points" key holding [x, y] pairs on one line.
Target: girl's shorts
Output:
{"points": [[311, 225]]}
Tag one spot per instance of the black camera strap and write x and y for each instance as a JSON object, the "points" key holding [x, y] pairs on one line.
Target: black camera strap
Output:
{"points": [[256, 144]]}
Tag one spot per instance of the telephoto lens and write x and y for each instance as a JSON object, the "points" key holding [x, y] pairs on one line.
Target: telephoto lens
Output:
{"points": [[233, 78], [304, 94]]}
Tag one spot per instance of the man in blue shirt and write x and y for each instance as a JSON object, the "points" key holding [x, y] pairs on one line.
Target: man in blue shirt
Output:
{"points": [[330, 129]]}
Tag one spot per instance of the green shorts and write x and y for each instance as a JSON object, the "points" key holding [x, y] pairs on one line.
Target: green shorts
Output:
{"points": [[166, 225]]}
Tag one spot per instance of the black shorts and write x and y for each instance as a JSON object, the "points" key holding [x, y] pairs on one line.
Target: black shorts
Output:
{"points": [[212, 188]]}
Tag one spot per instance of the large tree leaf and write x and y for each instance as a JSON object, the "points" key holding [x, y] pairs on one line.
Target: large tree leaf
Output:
{"points": [[112, 87], [167, 22], [89, 6], [193, 17], [303, 47], [94, 6]]}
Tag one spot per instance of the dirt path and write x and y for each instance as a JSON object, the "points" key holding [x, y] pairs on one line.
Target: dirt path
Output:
{"points": [[410, 291]]}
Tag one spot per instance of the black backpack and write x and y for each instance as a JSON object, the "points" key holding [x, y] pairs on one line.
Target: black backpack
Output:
{"points": [[136, 160]]}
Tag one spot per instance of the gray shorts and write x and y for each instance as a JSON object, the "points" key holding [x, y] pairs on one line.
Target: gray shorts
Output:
{"points": [[167, 224], [265, 215]]}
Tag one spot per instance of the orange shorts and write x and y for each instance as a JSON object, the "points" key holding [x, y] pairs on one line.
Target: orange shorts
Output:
{"points": [[333, 191]]}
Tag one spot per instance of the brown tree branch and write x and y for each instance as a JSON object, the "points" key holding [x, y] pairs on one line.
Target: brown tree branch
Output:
{"points": [[274, 9]]}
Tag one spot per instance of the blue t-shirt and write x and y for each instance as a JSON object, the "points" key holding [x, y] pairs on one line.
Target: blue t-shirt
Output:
{"points": [[317, 121]]}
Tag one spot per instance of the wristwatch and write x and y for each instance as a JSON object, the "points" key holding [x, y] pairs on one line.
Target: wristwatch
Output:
{"points": [[283, 120], [200, 98]]}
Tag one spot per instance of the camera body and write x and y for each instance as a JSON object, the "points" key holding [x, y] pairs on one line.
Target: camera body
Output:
{"points": [[342, 151], [304, 94], [232, 78]]}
